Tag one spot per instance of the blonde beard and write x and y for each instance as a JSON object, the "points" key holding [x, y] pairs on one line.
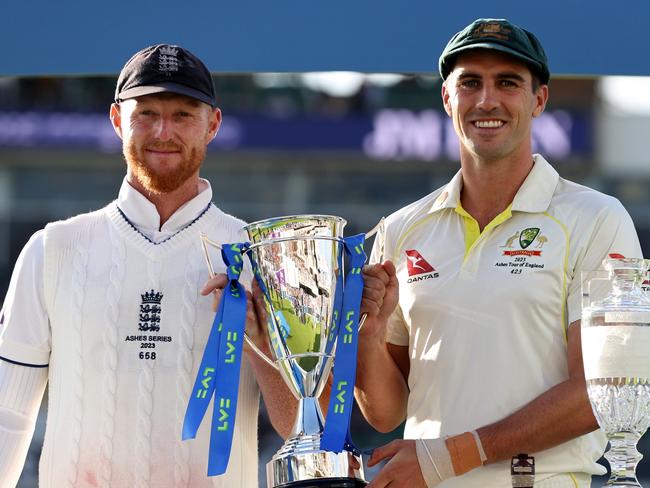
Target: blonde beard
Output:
{"points": [[165, 182]]}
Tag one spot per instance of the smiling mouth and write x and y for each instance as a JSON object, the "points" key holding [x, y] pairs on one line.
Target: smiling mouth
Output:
{"points": [[162, 151], [488, 124]]}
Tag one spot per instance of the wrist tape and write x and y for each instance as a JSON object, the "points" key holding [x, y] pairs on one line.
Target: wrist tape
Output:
{"points": [[445, 458], [435, 462], [464, 453]]}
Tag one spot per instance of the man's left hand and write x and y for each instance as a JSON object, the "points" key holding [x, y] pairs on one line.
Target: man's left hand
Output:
{"points": [[403, 468]]}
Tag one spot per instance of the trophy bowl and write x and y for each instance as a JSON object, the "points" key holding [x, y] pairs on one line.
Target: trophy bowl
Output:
{"points": [[298, 263]]}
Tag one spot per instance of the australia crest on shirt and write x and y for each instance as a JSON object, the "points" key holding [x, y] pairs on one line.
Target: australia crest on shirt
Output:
{"points": [[522, 250]]}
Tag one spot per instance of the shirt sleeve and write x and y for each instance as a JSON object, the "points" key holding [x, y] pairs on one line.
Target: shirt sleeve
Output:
{"points": [[25, 336], [21, 392], [612, 233]]}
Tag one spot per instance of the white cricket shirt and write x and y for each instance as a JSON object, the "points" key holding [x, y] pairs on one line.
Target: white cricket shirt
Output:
{"points": [[484, 315]]}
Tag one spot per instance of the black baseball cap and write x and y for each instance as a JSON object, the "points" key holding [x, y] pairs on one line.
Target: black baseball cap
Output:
{"points": [[165, 68], [500, 35]]}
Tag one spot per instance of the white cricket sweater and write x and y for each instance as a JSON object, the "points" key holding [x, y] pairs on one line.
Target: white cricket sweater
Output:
{"points": [[128, 328]]}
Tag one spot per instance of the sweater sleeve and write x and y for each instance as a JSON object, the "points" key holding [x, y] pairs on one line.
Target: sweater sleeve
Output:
{"points": [[24, 326], [21, 392]]}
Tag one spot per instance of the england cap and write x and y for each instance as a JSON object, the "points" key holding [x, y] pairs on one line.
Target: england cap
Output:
{"points": [[500, 35], [165, 68]]}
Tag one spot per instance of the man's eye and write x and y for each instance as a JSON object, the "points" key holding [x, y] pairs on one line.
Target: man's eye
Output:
{"points": [[147, 112], [469, 83], [508, 83], [184, 114]]}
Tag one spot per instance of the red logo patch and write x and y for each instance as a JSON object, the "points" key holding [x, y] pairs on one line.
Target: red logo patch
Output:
{"points": [[416, 264]]}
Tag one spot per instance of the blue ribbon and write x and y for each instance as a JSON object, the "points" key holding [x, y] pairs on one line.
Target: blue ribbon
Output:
{"points": [[218, 373], [336, 436]]}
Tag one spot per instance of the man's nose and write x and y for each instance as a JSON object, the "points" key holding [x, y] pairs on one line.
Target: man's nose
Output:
{"points": [[164, 128], [488, 98]]}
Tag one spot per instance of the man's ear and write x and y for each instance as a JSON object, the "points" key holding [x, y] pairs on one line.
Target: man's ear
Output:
{"points": [[116, 119], [541, 97], [215, 123], [445, 98]]}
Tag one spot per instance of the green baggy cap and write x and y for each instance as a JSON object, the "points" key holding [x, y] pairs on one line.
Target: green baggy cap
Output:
{"points": [[500, 35]]}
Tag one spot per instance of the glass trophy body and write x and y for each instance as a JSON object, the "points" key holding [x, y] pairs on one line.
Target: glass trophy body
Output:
{"points": [[616, 355]]}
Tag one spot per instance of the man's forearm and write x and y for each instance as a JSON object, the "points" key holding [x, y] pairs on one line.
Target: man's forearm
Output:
{"points": [[557, 416], [280, 403], [381, 389]]}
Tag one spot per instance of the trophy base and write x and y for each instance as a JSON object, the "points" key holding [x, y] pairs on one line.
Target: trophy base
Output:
{"points": [[316, 469], [326, 483]]}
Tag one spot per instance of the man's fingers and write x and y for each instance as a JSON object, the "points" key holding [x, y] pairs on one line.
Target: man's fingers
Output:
{"points": [[382, 480], [216, 298], [386, 476], [383, 452], [251, 313], [389, 269], [371, 292], [376, 271], [217, 282], [258, 303]]}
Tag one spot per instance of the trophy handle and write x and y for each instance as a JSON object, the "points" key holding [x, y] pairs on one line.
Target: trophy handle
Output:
{"points": [[204, 244], [379, 231]]}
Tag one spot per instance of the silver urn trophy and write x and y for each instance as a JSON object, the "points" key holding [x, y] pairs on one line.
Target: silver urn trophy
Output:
{"points": [[298, 263], [616, 355]]}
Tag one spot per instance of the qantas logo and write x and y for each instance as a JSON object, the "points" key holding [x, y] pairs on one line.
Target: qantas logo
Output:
{"points": [[418, 267], [416, 264]]}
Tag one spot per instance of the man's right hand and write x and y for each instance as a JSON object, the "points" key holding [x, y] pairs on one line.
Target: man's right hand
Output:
{"points": [[380, 297], [255, 311]]}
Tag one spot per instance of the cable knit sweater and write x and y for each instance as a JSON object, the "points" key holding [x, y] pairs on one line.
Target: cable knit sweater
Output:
{"points": [[128, 328]]}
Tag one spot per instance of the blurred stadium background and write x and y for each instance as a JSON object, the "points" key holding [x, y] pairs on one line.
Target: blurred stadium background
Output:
{"points": [[359, 146]]}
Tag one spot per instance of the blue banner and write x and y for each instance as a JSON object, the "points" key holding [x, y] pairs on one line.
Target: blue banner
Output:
{"points": [[218, 373], [336, 435], [580, 37]]}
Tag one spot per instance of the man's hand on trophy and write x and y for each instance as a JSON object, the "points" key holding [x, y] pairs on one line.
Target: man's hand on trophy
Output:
{"points": [[256, 319], [215, 286], [380, 296], [255, 311], [402, 469]]}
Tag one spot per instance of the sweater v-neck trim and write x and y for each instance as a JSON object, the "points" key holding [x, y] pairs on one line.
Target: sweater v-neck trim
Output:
{"points": [[137, 239]]}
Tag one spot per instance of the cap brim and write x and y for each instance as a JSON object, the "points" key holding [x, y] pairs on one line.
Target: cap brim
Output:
{"points": [[140, 91], [496, 47]]}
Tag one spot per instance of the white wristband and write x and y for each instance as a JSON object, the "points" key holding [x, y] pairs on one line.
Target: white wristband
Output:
{"points": [[479, 446], [434, 460]]}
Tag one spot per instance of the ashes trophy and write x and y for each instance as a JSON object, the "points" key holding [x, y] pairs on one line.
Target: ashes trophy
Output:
{"points": [[299, 266], [615, 350]]}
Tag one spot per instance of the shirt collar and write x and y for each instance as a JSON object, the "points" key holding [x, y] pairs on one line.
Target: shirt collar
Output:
{"points": [[450, 195], [144, 216], [534, 195], [536, 192]]}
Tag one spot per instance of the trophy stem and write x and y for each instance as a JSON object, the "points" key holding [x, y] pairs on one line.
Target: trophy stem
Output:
{"points": [[623, 458], [309, 419]]}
